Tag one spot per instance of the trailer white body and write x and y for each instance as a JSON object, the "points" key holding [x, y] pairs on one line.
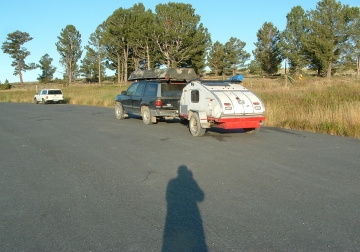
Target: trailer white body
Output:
{"points": [[222, 104]]}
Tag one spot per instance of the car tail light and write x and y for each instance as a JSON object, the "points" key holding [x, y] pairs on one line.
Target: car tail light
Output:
{"points": [[256, 103], [47, 97], [158, 103]]}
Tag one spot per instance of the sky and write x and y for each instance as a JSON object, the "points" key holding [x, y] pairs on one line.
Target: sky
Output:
{"points": [[43, 20]]}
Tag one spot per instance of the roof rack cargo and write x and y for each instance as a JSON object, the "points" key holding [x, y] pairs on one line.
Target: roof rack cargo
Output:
{"points": [[174, 73]]}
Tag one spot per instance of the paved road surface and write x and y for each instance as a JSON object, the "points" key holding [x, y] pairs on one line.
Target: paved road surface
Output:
{"points": [[73, 178]]}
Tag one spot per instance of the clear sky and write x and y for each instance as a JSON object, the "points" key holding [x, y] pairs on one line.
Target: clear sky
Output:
{"points": [[44, 20]]}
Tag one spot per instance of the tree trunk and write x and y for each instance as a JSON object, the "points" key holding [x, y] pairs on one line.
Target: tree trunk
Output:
{"points": [[148, 57], [329, 70], [20, 74], [119, 70], [358, 66], [126, 53], [99, 62], [68, 70]]}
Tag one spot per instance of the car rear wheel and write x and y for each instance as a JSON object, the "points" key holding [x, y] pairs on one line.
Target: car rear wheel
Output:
{"points": [[119, 111], [43, 101], [146, 116], [195, 126]]}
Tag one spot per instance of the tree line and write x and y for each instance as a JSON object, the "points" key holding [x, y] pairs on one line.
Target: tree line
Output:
{"points": [[326, 39]]}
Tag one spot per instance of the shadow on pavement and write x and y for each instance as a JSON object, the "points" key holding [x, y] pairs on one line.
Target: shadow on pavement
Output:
{"points": [[183, 224]]}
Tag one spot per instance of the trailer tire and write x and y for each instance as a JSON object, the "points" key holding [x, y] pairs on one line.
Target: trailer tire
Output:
{"points": [[119, 111], [146, 115], [252, 130], [195, 126]]}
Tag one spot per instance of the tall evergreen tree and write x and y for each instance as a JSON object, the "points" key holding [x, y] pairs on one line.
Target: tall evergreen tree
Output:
{"points": [[142, 46], [69, 48], [326, 35], [94, 56], [90, 66], [115, 38], [267, 52], [353, 43], [291, 40], [236, 56], [180, 38], [47, 69], [13, 47], [216, 58]]}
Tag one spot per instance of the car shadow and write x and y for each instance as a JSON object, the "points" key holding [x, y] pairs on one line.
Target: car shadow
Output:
{"points": [[183, 224]]}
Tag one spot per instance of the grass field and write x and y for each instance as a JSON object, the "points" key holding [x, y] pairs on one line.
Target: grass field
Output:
{"points": [[313, 104]]}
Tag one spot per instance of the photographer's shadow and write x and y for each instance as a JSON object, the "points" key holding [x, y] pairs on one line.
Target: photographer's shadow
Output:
{"points": [[183, 225]]}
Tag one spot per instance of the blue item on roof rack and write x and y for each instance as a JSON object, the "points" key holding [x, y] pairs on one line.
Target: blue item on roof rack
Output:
{"points": [[237, 78]]}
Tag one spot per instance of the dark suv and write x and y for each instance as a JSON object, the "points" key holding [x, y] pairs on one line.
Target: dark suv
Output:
{"points": [[154, 94], [150, 99]]}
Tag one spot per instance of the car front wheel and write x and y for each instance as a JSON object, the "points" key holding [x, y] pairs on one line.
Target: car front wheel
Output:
{"points": [[119, 111], [35, 101]]}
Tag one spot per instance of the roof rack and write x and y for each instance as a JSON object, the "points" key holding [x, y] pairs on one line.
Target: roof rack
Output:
{"points": [[174, 74]]}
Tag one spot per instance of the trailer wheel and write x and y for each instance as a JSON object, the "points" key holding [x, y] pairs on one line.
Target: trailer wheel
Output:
{"points": [[119, 111], [195, 126], [146, 116], [252, 130]]}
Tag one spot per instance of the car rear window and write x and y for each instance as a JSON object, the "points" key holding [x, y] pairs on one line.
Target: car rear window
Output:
{"points": [[54, 92], [172, 89]]}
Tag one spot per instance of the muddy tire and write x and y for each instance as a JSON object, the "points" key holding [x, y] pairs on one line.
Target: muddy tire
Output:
{"points": [[146, 115], [195, 126], [119, 111], [252, 130]]}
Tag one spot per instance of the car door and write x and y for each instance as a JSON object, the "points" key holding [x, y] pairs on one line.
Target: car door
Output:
{"points": [[137, 98], [126, 97]]}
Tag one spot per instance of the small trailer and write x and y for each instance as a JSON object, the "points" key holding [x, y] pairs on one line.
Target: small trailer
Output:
{"points": [[221, 104]]}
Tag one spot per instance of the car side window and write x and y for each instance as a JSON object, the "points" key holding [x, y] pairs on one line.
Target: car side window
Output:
{"points": [[43, 92], [151, 89], [131, 90], [140, 88]]}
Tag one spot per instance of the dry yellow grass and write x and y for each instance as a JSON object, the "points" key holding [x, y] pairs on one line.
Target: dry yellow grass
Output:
{"points": [[314, 104]]}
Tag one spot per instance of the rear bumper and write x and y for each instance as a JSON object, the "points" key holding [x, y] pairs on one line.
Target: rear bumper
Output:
{"points": [[238, 122], [165, 112]]}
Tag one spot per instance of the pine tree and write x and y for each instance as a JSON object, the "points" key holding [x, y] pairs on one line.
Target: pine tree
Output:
{"points": [[47, 69], [291, 40], [267, 52], [216, 58], [13, 47], [326, 35], [236, 56], [179, 37], [69, 47]]}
